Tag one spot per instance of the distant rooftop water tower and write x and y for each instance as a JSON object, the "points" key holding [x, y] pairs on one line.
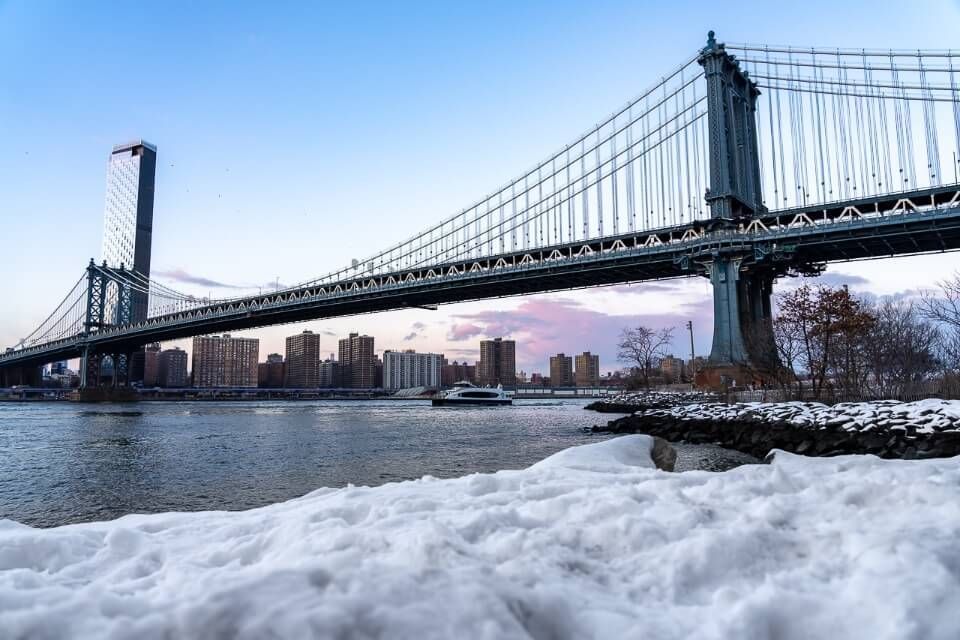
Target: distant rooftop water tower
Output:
{"points": [[128, 213]]}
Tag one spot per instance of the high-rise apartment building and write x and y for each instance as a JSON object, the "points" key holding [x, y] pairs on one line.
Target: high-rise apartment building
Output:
{"points": [[303, 361], [407, 369], [151, 365], [358, 362], [588, 369], [225, 361], [498, 362], [172, 368], [272, 373], [561, 370], [128, 214]]}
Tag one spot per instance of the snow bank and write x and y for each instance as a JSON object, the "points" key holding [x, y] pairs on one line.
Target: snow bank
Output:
{"points": [[924, 416], [590, 543]]}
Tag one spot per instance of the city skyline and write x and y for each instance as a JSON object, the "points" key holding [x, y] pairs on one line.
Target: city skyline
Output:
{"points": [[203, 195]]}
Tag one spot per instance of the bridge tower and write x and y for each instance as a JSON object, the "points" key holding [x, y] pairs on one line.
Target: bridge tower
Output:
{"points": [[742, 331], [109, 301]]}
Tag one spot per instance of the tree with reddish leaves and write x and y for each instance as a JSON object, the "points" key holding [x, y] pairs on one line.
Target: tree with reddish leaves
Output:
{"points": [[820, 331]]}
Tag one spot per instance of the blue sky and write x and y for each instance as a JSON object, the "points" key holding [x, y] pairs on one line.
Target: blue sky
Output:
{"points": [[294, 137]]}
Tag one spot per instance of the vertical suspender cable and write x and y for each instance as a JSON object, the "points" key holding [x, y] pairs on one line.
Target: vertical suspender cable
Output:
{"points": [[613, 179], [675, 139], [599, 186], [631, 182], [930, 126], [659, 168], [826, 179], [956, 121], [542, 215], [686, 157], [818, 124], [569, 199], [697, 193], [583, 191], [647, 180]]}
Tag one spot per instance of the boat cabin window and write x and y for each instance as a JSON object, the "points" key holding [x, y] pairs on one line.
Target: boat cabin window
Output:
{"points": [[479, 394]]}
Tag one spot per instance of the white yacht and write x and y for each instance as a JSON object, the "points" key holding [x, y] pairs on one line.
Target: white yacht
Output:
{"points": [[465, 393]]}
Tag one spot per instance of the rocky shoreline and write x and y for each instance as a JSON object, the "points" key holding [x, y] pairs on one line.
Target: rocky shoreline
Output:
{"points": [[641, 401], [925, 429]]}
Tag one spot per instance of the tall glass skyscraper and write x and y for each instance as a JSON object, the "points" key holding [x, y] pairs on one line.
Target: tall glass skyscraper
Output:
{"points": [[128, 215]]}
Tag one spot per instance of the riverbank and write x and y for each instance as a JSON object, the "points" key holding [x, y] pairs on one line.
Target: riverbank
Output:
{"points": [[888, 429], [593, 542]]}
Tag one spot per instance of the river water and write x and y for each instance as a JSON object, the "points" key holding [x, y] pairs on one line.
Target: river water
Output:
{"points": [[62, 462]]}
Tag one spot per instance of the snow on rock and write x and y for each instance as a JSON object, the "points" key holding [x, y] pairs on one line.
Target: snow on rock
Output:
{"points": [[590, 543], [924, 416], [629, 401]]}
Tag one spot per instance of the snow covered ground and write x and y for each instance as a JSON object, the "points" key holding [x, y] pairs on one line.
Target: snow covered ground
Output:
{"points": [[590, 543], [923, 416]]}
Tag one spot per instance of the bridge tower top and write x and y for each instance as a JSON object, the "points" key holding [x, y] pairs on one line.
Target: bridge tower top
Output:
{"points": [[735, 189]]}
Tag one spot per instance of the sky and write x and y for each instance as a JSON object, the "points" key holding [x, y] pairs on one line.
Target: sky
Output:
{"points": [[294, 137]]}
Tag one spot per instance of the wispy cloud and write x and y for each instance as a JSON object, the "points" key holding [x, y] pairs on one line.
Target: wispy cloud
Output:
{"points": [[179, 275], [185, 277], [828, 279], [410, 336]]}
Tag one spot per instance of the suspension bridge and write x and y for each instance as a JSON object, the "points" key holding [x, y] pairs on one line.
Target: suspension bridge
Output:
{"points": [[744, 164]]}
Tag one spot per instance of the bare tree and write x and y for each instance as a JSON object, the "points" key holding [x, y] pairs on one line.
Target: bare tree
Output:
{"points": [[901, 349], [943, 306], [642, 348]]}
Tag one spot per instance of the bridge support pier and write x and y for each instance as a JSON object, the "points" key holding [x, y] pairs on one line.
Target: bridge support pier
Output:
{"points": [[91, 365], [743, 351]]}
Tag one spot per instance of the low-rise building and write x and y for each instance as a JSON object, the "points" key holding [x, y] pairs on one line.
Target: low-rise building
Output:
{"points": [[671, 369], [331, 376], [271, 374], [453, 372]]}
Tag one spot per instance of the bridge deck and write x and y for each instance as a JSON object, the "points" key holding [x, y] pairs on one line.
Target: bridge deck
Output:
{"points": [[899, 224]]}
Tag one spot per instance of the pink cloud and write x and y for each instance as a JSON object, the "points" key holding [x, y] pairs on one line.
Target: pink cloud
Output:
{"points": [[545, 326], [463, 331]]}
